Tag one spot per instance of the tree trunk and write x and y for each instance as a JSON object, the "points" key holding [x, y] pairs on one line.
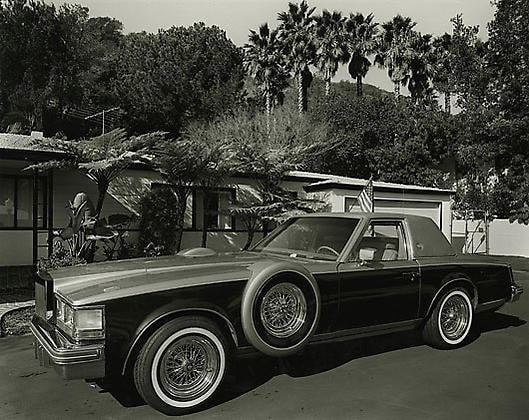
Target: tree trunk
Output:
{"points": [[102, 188], [396, 89], [249, 240], [359, 91], [448, 105], [327, 87], [204, 220], [181, 210], [301, 91]]}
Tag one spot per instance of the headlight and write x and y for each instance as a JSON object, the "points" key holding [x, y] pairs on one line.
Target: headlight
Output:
{"points": [[80, 323]]}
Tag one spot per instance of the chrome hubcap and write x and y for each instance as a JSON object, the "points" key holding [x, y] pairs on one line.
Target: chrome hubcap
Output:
{"points": [[455, 316], [189, 367], [283, 310]]}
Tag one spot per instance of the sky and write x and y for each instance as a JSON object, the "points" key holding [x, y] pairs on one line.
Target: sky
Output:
{"points": [[237, 17]]}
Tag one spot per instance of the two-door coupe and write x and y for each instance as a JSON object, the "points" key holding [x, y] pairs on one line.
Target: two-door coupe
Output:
{"points": [[172, 324]]}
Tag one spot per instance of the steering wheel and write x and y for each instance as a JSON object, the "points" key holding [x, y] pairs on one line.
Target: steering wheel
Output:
{"points": [[328, 248]]}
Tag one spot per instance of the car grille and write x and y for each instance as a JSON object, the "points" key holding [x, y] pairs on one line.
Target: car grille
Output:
{"points": [[43, 297]]}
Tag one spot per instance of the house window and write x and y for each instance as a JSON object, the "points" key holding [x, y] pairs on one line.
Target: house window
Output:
{"points": [[351, 204], [212, 209], [16, 202]]}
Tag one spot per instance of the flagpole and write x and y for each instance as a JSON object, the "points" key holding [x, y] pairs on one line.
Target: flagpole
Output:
{"points": [[372, 195]]}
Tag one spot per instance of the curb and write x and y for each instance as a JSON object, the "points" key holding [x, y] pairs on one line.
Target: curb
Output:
{"points": [[6, 308]]}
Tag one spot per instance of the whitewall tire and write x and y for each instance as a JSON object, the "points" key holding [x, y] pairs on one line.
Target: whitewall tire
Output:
{"points": [[182, 365]]}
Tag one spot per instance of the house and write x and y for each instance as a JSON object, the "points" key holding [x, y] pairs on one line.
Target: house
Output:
{"points": [[32, 206]]}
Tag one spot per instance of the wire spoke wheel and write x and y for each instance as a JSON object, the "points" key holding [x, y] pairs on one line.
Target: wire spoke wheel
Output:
{"points": [[283, 310], [189, 367], [454, 317]]}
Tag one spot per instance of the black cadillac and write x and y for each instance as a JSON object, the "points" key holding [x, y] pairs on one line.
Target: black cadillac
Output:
{"points": [[173, 324]]}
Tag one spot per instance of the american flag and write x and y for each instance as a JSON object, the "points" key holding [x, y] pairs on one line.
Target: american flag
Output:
{"points": [[365, 198]]}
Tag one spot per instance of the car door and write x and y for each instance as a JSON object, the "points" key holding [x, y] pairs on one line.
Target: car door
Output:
{"points": [[379, 281]]}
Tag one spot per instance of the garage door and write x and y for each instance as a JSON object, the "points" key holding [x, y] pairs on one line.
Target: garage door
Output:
{"points": [[419, 208]]}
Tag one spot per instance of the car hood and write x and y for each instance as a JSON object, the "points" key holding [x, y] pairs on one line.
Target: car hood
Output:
{"points": [[99, 282]]}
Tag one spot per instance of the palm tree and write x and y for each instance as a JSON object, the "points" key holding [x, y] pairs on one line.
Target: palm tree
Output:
{"points": [[394, 50], [421, 62], [362, 37], [442, 69], [298, 48], [264, 63], [331, 47]]}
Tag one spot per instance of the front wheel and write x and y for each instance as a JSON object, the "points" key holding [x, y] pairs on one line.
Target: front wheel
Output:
{"points": [[450, 322], [182, 365]]}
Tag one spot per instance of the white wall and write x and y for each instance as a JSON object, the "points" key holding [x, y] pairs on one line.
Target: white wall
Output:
{"points": [[504, 238], [16, 247]]}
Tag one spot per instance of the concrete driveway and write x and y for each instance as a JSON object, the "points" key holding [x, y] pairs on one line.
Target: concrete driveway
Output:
{"points": [[391, 377]]}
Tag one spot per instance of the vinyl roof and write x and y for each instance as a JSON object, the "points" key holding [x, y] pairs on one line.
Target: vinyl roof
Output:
{"points": [[322, 182]]}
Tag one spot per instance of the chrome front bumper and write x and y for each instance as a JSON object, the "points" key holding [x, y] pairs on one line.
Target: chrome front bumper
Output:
{"points": [[516, 291], [70, 360]]}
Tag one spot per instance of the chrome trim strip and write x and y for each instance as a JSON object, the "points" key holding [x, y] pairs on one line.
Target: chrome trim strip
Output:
{"points": [[367, 331], [481, 307], [146, 327], [460, 263]]}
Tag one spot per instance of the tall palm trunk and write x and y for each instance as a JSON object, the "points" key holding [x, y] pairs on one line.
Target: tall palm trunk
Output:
{"points": [[359, 90], [301, 93], [268, 106], [448, 104]]}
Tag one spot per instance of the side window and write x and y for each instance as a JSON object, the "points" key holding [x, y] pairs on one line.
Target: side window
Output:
{"points": [[382, 241]]}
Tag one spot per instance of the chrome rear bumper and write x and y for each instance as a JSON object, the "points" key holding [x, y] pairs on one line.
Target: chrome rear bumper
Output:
{"points": [[516, 291], [70, 360]]}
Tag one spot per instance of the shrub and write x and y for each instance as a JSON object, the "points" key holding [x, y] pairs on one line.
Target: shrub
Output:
{"points": [[158, 220]]}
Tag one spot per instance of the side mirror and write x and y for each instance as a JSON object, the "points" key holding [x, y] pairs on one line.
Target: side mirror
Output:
{"points": [[366, 254]]}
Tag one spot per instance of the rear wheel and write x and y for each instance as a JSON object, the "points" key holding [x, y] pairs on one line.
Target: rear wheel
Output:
{"points": [[450, 322], [182, 365]]}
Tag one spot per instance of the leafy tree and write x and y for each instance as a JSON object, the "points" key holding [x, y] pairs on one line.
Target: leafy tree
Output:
{"points": [[178, 75], [508, 95], [442, 75], [469, 68], [508, 56], [394, 50], [331, 48], [263, 62], [362, 42], [103, 37], [42, 56], [393, 141], [267, 156], [298, 47]]}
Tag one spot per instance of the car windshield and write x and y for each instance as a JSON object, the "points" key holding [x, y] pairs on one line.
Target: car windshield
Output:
{"points": [[310, 237]]}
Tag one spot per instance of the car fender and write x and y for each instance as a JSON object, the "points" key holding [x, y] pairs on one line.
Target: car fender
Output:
{"points": [[169, 311], [450, 281]]}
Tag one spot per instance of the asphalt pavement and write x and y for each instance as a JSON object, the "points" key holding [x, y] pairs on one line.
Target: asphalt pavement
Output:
{"points": [[390, 377]]}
